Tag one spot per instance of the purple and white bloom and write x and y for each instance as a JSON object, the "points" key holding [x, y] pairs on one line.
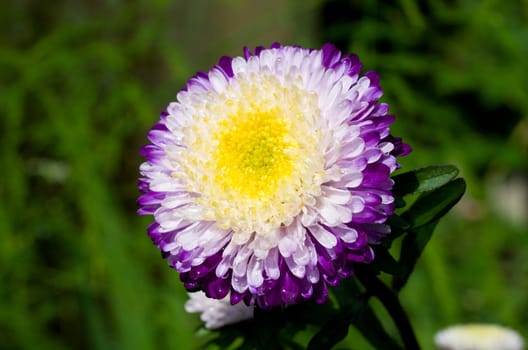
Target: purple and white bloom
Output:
{"points": [[478, 337], [217, 313], [269, 177]]}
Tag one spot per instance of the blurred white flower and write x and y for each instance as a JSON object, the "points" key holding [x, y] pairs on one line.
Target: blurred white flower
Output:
{"points": [[478, 337], [51, 170], [217, 313], [509, 196]]}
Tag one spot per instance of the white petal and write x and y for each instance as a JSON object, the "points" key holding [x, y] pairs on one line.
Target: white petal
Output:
{"points": [[332, 154], [308, 216], [254, 276], [296, 270], [176, 200], [332, 214], [311, 249], [333, 174], [217, 313], [238, 64], [212, 234], [191, 212], [336, 195], [356, 204], [347, 234], [267, 58], [301, 255], [239, 283], [253, 64], [287, 246], [325, 238], [241, 237], [353, 148], [218, 80], [353, 179], [263, 243], [168, 220], [215, 245], [312, 274], [271, 264], [330, 98], [226, 263], [189, 238], [386, 147], [240, 262], [171, 246], [165, 185], [372, 155]]}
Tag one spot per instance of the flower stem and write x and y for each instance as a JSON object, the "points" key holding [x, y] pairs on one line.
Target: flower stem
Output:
{"points": [[391, 302]]}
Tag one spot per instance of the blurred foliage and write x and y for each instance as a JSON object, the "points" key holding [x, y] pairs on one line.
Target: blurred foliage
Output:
{"points": [[455, 75], [82, 81]]}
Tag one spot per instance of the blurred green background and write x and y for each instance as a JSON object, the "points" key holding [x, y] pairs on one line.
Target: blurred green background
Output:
{"points": [[81, 82]]}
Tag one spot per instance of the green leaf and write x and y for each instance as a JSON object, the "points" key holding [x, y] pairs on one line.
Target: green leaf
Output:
{"points": [[299, 316], [354, 310], [376, 287], [350, 300], [347, 293], [423, 216], [397, 223], [399, 202], [398, 227], [332, 333], [384, 261], [223, 339], [370, 327], [431, 206], [336, 329], [423, 179], [412, 247]]}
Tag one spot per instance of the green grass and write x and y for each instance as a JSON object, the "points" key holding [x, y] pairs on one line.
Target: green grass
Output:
{"points": [[81, 83]]}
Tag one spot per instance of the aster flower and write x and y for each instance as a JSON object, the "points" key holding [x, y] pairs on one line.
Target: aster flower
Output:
{"points": [[478, 337], [269, 177], [217, 313]]}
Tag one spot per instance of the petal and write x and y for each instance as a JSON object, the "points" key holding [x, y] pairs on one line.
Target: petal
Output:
{"points": [[296, 269], [255, 268], [301, 255], [332, 214], [239, 283], [336, 195], [323, 237], [289, 289], [241, 261], [271, 264]]}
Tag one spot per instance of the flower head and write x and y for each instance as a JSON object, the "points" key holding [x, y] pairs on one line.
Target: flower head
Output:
{"points": [[269, 177], [478, 337], [217, 313]]}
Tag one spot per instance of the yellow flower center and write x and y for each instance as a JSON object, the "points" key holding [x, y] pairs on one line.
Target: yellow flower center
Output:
{"points": [[253, 153]]}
